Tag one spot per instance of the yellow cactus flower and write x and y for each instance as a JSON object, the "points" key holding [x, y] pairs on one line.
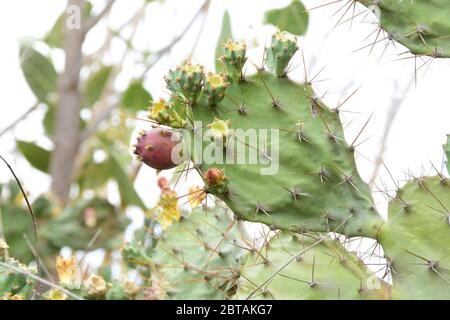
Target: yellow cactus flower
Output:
{"points": [[235, 46], [68, 271], [215, 80], [219, 128], [156, 108], [196, 196], [192, 67], [167, 210]]}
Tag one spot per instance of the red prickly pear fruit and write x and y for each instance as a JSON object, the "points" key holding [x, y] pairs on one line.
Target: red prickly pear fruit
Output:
{"points": [[155, 148]]}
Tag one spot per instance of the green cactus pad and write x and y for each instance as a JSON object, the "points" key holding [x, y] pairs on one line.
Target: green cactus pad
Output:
{"points": [[304, 267], [317, 186], [121, 290], [416, 239], [13, 284], [199, 257], [423, 26]]}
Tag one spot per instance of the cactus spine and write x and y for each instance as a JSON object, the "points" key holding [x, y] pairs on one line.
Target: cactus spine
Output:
{"points": [[420, 25]]}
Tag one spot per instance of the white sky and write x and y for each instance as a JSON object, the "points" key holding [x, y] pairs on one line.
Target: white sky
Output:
{"points": [[417, 134]]}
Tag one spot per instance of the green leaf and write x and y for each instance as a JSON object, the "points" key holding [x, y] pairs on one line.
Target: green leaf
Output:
{"points": [[37, 156], [225, 35], [96, 84], [293, 18], [55, 37], [94, 175], [136, 97], [49, 120], [128, 194], [39, 73], [447, 151]]}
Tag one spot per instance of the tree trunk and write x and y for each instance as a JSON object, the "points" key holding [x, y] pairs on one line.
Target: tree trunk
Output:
{"points": [[67, 121]]}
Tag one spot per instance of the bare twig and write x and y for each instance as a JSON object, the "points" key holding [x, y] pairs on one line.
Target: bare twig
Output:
{"points": [[101, 116], [92, 22], [396, 104], [160, 53], [104, 114], [19, 119]]}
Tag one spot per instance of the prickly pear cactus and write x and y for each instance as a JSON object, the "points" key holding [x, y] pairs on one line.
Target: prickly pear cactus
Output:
{"points": [[416, 239], [14, 285], [122, 290], [200, 257], [420, 25], [303, 174], [136, 255], [294, 266]]}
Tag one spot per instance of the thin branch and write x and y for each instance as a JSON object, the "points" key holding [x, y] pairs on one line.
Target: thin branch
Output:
{"points": [[160, 53], [92, 22], [19, 119], [92, 127], [396, 104]]}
